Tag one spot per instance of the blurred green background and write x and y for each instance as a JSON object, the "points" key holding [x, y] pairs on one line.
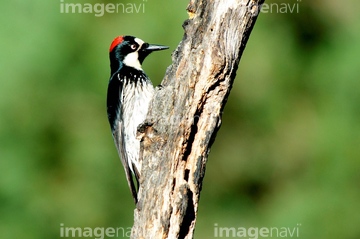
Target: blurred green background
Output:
{"points": [[287, 154]]}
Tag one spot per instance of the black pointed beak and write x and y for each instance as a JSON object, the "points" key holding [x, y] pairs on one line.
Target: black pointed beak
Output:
{"points": [[153, 47], [146, 49]]}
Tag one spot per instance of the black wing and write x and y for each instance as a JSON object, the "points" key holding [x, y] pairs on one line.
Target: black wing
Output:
{"points": [[114, 112]]}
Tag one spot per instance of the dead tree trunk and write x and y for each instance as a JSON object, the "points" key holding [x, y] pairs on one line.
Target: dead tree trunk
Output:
{"points": [[186, 114]]}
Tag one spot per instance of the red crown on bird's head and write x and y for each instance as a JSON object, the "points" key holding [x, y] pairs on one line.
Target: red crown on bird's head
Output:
{"points": [[116, 42]]}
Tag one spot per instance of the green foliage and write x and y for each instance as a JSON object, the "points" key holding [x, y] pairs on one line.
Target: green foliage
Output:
{"points": [[287, 152]]}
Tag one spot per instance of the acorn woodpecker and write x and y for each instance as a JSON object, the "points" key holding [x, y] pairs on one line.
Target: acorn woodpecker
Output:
{"points": [[128, 97]]}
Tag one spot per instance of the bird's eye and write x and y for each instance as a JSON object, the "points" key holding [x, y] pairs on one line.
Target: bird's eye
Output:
{"points": [[133, 46]]}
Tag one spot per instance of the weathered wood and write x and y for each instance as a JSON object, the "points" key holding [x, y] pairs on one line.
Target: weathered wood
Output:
{"points": [[186, 114]]}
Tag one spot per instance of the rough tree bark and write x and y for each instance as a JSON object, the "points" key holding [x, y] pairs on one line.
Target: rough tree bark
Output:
{"points": [[186, 114]]}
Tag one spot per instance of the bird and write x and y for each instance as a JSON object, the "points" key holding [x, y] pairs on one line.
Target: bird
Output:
{"points": [[128, 98]]}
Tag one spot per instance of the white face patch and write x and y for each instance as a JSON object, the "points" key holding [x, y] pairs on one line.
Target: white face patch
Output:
{"points": [[132, 59], [139, 41]]}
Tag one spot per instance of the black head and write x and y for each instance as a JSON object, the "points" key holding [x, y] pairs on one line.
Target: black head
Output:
{"points": [[130, 51]]}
